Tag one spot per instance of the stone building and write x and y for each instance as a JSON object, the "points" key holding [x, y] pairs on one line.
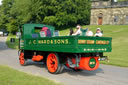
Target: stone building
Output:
{"points": [[105, 12]]}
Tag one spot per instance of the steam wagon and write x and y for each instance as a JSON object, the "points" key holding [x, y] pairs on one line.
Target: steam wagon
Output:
{"points": [[41, 43]]}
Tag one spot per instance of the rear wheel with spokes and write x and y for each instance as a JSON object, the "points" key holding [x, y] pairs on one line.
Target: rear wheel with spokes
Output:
{"points": [[53, 64]]}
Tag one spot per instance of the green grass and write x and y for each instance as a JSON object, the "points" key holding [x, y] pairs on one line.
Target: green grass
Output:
{"points": [[12, 45], [9, 76], [121, 0], [119, 34]]}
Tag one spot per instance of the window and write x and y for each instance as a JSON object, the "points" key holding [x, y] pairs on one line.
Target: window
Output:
{"points": [[37, 29], [56, 33], [116, 19], [36, 32], [127, 18]]}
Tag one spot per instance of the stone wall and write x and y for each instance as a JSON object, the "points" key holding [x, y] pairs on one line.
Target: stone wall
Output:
{"points": [[105, 12], [100, 4], [110, 15]]}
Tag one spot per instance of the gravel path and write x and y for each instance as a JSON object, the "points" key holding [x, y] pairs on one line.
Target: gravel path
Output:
{"points": [[105, 75]]}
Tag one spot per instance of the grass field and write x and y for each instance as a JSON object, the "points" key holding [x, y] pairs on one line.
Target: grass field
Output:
{"points": [[9, 76], [119, 34], [121, 0]]}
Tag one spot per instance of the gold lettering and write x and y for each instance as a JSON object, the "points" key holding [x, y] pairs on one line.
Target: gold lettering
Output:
{"points": [[107, 42], [44, 41], [55, 41], [51, 41], [58, 41], [81, 41], [66, 41], [34, 41], [21, 40], [62, 41], [48, 41], [90, 41], [102, 42], [39, 41], [30, 42]]}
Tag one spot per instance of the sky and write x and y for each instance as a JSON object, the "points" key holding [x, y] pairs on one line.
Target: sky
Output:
{"points": [[0, 2]]}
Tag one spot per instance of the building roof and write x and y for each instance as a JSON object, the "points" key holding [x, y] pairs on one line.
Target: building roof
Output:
{"points": [[109, 3]]}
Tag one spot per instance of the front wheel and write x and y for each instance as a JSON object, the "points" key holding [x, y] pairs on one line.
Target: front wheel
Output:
{"points": [[53, 64], [22, 60]]}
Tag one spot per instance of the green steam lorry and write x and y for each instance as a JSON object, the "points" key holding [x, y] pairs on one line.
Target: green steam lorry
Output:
{"points": [[75, 52]]}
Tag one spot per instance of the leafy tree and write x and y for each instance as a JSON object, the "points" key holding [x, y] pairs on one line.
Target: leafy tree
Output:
{"points": [[59, 13], [5, 13], [66, 12], [12, 26]]}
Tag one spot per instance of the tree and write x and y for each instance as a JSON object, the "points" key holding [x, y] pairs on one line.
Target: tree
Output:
{"points": [[5, 13], [66, 12], [59, 13]]}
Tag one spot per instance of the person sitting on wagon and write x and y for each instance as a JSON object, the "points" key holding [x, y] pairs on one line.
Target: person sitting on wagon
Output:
{"points": [[71, 32], [98, 33], [78, 31], [46, 31], [89, 33]]}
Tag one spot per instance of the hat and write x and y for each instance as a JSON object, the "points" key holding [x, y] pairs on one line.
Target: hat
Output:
{"points": [[78, 26], [98, 28]]}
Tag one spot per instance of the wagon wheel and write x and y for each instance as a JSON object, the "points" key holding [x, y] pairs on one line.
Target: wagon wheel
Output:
{"points": [[53, 64], [22, 60], [61, 68]]}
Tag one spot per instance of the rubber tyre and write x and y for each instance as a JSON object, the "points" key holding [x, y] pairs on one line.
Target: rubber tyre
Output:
{"points": [[61, 68], [53, 64], [22, 60]]}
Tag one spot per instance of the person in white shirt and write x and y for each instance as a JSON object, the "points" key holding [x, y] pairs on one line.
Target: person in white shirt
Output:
{"points": [[89, 33], [78, 31], [98, 33]]}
